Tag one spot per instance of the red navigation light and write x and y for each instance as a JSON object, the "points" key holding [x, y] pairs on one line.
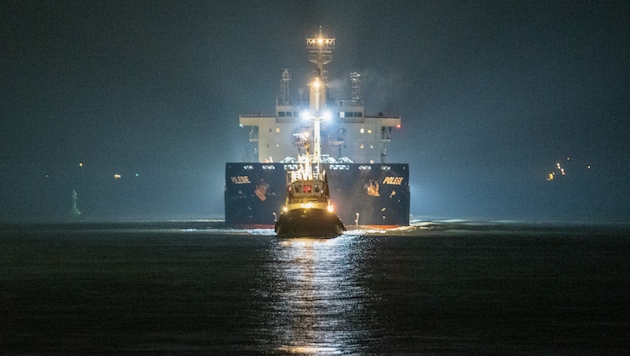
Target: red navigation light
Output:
{"points": [[398, 126]]}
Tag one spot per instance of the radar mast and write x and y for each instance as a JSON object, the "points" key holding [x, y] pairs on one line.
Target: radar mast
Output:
{"points": [[320, 52]]}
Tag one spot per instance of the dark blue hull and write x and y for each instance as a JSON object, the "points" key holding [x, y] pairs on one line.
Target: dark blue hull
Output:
{"points": [[362, 194]]}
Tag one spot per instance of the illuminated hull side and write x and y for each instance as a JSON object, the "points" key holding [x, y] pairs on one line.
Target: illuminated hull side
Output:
{"points": [[362, 194], [308, 223]]}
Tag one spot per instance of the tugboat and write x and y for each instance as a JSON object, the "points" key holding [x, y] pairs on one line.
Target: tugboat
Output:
{"points": [[308, 211]]}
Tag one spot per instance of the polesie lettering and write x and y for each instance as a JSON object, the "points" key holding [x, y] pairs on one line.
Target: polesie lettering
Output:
{"points": [[393, 180], [240, 180]]}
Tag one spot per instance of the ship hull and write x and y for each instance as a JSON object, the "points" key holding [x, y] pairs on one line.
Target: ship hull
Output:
{"points": [[362, 194], [308, 223]]}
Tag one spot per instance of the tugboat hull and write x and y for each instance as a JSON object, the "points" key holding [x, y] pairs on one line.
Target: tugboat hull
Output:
{"points": [[309, 223]]}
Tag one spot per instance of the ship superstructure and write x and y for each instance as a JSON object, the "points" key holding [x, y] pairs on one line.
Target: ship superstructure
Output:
{"points": [[347, 133], [343, 140]]}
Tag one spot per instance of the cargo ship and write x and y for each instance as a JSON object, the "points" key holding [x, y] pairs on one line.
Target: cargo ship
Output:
{"points": [[349, 145]]}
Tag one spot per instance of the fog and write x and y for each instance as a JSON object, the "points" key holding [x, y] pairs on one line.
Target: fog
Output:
{"points": [[492, 95]]}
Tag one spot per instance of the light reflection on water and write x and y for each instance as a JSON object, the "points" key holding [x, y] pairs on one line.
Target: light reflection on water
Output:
{"points": [[315, 294]]}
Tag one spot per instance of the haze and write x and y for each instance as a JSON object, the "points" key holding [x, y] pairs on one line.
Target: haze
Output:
{"points": [[493, 95]]}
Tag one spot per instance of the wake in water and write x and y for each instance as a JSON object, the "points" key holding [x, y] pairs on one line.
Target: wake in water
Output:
{"points": [[417, 227]]}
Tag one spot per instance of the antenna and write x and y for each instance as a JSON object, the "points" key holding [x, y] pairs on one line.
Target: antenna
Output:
{"points": [[355, 80], [284, 87]]}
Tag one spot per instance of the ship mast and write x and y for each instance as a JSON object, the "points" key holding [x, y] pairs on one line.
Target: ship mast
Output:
{"points": [[320, 52]]}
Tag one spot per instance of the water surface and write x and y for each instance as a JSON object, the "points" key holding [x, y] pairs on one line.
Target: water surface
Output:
{"points": [[433, 288]]}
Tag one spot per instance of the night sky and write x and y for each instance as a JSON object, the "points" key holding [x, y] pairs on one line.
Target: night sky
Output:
{"points": [[493, 94]]}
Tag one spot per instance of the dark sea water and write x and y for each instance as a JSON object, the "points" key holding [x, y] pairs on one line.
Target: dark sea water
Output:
{"points": [[432, 288]]}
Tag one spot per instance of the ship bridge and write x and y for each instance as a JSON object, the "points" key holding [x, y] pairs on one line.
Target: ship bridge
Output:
{"points": [[346, 132]]}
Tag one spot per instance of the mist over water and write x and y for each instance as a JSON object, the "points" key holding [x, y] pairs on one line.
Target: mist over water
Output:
{"points": [[196, 287]]}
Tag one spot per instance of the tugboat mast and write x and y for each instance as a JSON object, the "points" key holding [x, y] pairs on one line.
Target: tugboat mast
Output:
{"points": [[320, 53]]}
